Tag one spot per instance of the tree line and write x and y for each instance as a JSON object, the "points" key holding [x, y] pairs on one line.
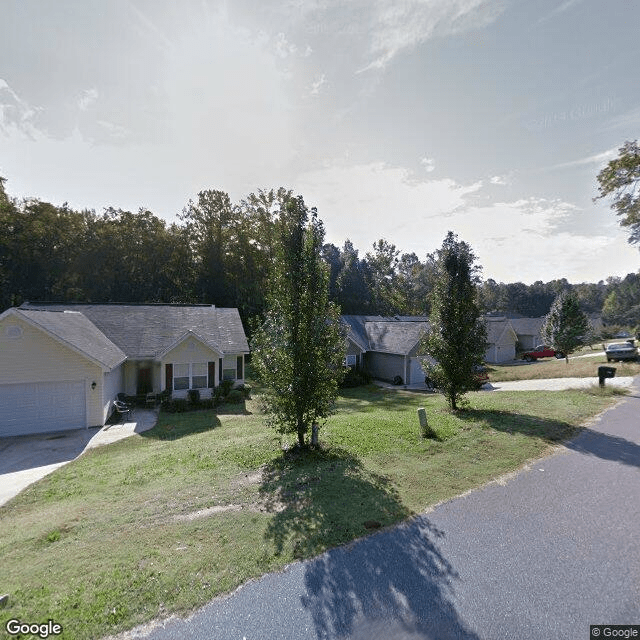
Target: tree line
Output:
{"points": [[220, 252]]}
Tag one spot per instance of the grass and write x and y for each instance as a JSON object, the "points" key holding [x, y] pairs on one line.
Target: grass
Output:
{"points": [[163, 522], [553, 368]]}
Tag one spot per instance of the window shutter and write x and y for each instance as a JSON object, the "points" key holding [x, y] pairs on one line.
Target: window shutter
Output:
{"points": [[220, 369], [168, 369], [212, 375], [239, 372]]}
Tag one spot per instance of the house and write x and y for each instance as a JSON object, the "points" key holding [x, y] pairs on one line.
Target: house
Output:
{"points": [[501, 339], [528, 331], [387, 347], [61, 365]]}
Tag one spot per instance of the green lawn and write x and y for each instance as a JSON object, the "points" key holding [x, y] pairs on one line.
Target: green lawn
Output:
{"points": [[163, 522], [553, 368]]}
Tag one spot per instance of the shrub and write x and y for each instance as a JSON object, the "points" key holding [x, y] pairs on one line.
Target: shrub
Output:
{"points": [[235, 396], [225, 387], [245, 389], [355, 378], [194, 396]]}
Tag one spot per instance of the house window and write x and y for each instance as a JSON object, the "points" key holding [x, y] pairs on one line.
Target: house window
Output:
{"points": [[350, 361], [229, 365], [190, 376], [180, 377], [199, 375]]}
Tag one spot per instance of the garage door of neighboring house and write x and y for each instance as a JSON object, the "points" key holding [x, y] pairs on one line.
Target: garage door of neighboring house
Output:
{"points": [[40, 407], [416, 373]]}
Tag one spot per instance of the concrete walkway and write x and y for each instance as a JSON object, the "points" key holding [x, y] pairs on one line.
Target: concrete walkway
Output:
{"points": [[26, 459]]}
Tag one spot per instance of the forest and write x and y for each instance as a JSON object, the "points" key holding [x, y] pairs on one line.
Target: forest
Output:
{"points": [[220, 252]]}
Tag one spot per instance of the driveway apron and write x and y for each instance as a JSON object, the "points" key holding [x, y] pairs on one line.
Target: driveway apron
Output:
{"points": [[539, 555]]}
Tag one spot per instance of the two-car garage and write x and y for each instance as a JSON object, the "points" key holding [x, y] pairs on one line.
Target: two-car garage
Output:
{"points": [[42, 407]]}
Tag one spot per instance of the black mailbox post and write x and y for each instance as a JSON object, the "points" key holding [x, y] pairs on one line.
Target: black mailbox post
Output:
{"points": [[604, 373]]}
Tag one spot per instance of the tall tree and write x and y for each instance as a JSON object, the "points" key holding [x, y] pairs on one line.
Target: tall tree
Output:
{"points": [[299, 349], [566, 326], [620, 179], [457, 337]]}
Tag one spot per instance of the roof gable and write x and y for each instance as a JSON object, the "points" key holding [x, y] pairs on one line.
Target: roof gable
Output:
{"points": [[147, 331], [75, 331]]}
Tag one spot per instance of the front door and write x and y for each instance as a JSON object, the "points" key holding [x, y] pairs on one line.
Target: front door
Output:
{"points": [[144, 381]]}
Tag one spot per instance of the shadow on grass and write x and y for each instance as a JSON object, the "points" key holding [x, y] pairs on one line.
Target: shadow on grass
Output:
{"points": [[397, 584], [178, 425], [580, 439], [323, 498], [371, 398]]}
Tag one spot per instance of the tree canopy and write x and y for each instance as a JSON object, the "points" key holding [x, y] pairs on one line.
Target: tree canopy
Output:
{"points": [[457, 337], [299, 349], [566, 326], [620, 180]]}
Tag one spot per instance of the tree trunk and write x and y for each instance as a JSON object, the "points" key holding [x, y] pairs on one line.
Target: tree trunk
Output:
{"points": [[301, 431]]}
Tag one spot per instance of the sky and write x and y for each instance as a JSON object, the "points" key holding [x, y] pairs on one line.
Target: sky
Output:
{"points": [[397, 119]]}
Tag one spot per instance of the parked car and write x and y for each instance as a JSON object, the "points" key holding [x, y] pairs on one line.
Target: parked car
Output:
{"points": [[621, 351], [541, 351]]}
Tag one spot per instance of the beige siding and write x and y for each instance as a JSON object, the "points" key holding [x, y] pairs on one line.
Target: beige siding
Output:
{"points": [[189, 351], [113, 384], [34, 356]]}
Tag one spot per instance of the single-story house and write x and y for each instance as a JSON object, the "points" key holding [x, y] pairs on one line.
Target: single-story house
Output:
{"points": [[501, 340], [61, 365], [387, 347], [528, 331]]}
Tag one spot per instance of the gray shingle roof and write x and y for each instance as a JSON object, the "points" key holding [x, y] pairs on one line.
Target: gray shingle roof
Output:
{"points": [[77, 331], [146, 331], [527, 326], [398, 335]]}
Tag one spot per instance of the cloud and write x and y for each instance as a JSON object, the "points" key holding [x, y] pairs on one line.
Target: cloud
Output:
{"points": [[595, 159], [396, 27], [429, 164], [87, 98], [315, 86], [16, 113], [522, 240], [283, 48]]}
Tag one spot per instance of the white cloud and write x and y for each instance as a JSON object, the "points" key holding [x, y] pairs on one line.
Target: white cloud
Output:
{"points": [[315, 86], [500, 180], [283, 48], [87, 98], [597, 159], [514, 241], [396, 27], [429, 164]]}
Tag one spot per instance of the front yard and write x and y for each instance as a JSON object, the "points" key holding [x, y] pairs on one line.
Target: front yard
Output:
{"points": [[582, 367], [165, 521]]}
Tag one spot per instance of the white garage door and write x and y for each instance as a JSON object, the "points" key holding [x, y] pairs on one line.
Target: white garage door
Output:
{"points": [[40, 407]]}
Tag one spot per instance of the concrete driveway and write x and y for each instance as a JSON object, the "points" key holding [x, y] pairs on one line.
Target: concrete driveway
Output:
{"points": [[26, 459]]}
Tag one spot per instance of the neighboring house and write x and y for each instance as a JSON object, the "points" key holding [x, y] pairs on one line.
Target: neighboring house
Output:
{"points": [[528, 332], [61, 365], [387, 347], [501, 340]]}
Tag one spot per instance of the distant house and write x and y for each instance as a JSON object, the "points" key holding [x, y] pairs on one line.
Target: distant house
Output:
{"points": [[61, 365], [387, 347], [501, 340], [528, 331]]}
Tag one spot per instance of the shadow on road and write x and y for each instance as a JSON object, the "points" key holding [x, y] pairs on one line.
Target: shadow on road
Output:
{"points": [[396, 584], [393, 584]]}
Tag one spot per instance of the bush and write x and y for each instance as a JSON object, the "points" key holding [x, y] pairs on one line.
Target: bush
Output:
{"points": [[194, 396], [245, 389], [235, 396], [225, 387], [355, 378]]}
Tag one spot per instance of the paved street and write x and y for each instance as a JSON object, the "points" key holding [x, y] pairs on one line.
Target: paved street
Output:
{"points": [[540, 555]]}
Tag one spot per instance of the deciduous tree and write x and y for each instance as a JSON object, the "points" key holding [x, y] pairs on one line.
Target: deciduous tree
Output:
{"points": [[299, 350], [457, 338], [566, 326]]}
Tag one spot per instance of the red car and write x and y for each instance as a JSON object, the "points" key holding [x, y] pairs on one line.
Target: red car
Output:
{"points": [[541, 351]]}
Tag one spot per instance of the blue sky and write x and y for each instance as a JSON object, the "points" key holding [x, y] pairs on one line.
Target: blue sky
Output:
{"points": [[396, 119]]}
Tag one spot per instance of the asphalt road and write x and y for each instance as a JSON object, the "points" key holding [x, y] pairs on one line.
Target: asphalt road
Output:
{"points": [[540, 555]]}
